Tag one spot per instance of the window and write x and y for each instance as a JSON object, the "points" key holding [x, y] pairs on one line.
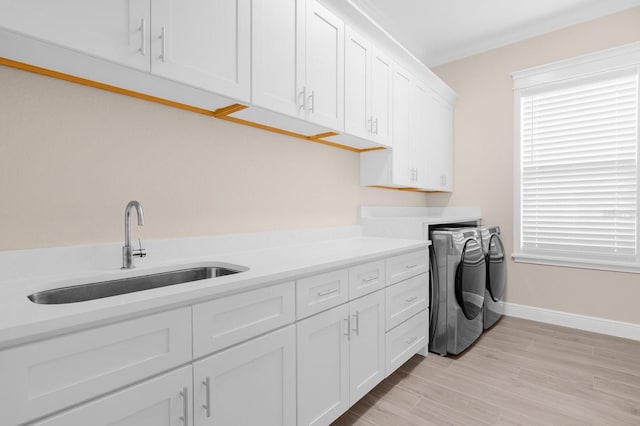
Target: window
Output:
{"points": [[576, 162]]}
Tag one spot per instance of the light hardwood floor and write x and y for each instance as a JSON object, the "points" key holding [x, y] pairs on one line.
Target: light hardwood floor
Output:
{"points": [[518, 373]]}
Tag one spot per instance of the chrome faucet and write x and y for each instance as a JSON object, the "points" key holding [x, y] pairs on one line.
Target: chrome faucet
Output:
{"points": [[127, 251]]}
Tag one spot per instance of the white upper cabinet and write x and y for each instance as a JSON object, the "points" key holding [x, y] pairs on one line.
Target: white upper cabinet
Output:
{"points": [[278, 55], [203, 43], [381, 75], [402, 172], [323, 91], [367, 90], [439, 135], [199, 43], [357, 80], [418, 127], [114, 30], [297, 68], [422, 136]]}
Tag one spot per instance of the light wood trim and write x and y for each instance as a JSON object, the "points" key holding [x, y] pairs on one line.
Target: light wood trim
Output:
{"points": [[377, 148], [323, 135], [426, 191], [97, 85], [229, 110], [221, 113]]}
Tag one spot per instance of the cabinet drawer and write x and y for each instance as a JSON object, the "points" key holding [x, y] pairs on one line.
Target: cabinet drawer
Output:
{"points": [[406, 340], [47, 376], [229, 320], [407, 265], [406, 299], [366, 278], [158, 401], [320, 292]]}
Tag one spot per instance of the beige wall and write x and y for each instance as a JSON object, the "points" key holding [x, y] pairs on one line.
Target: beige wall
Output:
{"points": [[483, 163], [71, 157]]}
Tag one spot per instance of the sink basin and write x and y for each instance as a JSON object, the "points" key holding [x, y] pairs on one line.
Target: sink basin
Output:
{"points": [[99, 290]]}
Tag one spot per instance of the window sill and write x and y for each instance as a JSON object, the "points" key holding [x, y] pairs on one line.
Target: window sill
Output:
{"points": [[630, 267]]}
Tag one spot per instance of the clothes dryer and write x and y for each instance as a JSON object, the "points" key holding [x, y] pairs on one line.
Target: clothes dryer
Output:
{"points": [[496, 274], [458, 289]]}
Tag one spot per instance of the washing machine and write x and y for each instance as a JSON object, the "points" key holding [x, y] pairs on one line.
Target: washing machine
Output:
{"points": [[496, 274], [457, 289]]}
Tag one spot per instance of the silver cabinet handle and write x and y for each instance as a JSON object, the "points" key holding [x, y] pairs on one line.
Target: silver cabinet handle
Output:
{"points": [[376, 131], [163, 45], [312, 98], [303, 100], [327, 292], [357, 317], [413, 265], [207, 397], [185, 406], [411, 299], [410, 341], [143, 37], [348, 333], [369, 279]]}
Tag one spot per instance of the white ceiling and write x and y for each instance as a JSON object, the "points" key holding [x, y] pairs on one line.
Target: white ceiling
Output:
{"points": [[440, 31]]}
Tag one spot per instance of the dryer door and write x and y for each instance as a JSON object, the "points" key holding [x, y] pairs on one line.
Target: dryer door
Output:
{"points": [[471, 276], [496, 268]]}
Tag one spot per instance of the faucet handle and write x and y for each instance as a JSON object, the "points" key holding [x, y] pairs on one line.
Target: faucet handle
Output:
{"points": [[139, 252]]}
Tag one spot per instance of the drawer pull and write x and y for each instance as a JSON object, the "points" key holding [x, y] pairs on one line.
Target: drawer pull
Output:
{"points": [[207, 400], [348, 333], [163, 45], [143, 37], [369, 279], [410, 341], [411, 299], [357, 317], [413, 265], [327, 292], [185, 407]]}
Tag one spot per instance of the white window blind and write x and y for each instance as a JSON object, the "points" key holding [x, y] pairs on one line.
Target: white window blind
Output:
{"points": [[579, 171]]}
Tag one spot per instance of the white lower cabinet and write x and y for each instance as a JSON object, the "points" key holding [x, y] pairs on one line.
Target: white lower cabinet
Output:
{"points": [[162, 401], [366, 345], [340, 358], [46, 376], [249, 384], [238, 360], [406, 340]]}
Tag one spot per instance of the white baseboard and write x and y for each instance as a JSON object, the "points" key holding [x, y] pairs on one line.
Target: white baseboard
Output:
{"points": [[581, 322]]}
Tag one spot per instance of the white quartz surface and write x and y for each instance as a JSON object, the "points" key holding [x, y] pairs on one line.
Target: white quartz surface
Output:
{"points": [[22, 321]]}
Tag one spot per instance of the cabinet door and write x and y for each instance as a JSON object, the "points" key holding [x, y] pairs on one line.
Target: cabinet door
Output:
{"points": [[419, 119], [358, 120], [439, 141], [402, 165], [114, 30], [381, 98], [323, 370], [250, 384], [164, 400], [366, 347], [278, 55], [202, 43], [324, 67]]}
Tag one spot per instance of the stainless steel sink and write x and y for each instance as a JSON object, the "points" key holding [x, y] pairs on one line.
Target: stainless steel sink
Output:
{"points": [[98, 290]]}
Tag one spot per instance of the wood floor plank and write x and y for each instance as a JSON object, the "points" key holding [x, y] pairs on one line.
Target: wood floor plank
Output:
{"points": [[520, 372]]}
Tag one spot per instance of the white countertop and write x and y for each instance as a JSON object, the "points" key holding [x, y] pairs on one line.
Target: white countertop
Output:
{"points": [[302, 254], [412, 222]]}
